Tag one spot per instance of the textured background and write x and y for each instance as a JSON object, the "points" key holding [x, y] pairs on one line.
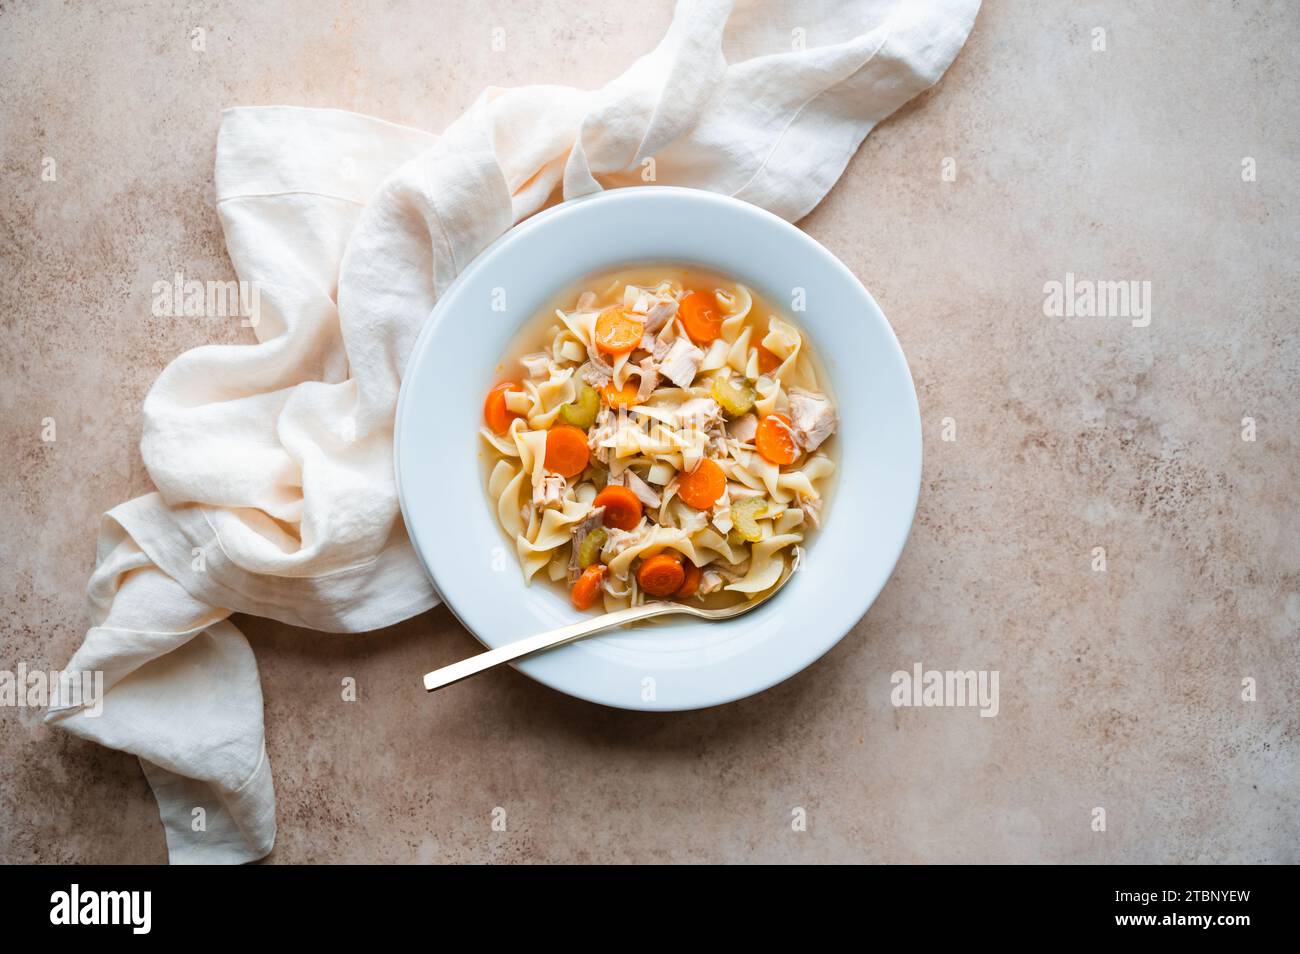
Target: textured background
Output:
{"points": [[1119, 689]]}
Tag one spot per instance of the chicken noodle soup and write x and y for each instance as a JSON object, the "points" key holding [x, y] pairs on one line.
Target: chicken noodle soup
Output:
{"points": [[664, 436]]}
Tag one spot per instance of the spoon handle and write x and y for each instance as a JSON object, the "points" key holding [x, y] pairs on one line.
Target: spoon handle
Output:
{"points": [[533, 644]]}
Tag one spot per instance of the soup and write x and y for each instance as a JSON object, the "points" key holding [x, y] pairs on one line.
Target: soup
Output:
{"points": [[662, 434]]}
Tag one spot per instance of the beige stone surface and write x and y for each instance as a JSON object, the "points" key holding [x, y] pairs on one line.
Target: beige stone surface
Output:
{"points": [[1120, 689]]}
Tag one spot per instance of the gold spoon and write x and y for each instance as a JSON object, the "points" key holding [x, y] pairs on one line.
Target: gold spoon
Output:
{"points": [[587, 627]]}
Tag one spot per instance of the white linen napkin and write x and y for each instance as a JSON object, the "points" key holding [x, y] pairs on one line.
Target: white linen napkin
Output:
{"points": [[273, 461]]}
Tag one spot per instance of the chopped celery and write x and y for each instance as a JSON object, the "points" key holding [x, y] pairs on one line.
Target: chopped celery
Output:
{"points": [[745, 515], [589, 549], [582, 412], [735, 395], [598, 475]]}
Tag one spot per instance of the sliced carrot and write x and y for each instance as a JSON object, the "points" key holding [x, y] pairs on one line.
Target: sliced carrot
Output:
{"points": [[774, 440], [566, 450], [587, 588], [701, 316], [767, 361], [626, 396], [622, 507], [691, 583], [495, 412], [661, 574], [617, 332], [702, 487]]}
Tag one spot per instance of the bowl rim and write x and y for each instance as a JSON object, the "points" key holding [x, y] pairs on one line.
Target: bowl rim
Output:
{"points": [[531, 666]]}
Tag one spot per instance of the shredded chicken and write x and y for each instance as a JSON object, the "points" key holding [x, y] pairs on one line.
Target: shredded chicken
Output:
{"points": [[710, 582], [649, 380], [716, 445], [812, 418], [701, 413], [690, 519], [743, 428], [659, 314], [735, 572], [549, 493], [681, 363], [596, 373], [812, 509], [621, 540], [601, 431], [663, 343]]}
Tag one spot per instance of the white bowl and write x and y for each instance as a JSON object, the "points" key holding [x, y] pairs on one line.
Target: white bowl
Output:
{"points": [[680, 663]]}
